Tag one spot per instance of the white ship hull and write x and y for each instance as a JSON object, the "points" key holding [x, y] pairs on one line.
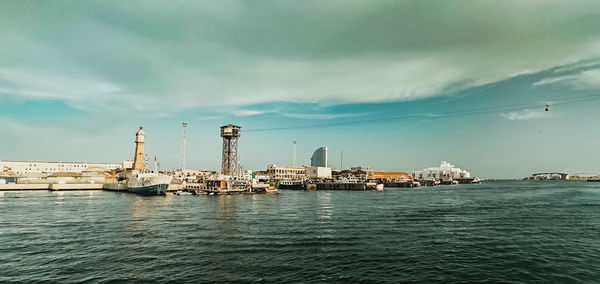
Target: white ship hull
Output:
{"points": [[143, 183]]}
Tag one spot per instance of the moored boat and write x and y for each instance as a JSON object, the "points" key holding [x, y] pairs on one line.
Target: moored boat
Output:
{"points": [[141, 183]]}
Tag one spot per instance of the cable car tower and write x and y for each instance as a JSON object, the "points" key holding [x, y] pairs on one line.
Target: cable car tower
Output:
{"points": [[230, 164]]}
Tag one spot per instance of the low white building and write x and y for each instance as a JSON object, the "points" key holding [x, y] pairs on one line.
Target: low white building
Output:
{"points": [[35, 167], [279, 172], [318, 172], [445, 171]]}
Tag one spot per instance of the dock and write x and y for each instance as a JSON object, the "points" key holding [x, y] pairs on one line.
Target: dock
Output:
{"points": [[349, 186], [409, 183], [51, 187]]}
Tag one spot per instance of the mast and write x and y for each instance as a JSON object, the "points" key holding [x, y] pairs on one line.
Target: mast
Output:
{"points": [[294, 157], [182, 165]]}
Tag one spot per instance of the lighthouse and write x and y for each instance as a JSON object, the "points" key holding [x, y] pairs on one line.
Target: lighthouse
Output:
{"points": [[138, 160]]}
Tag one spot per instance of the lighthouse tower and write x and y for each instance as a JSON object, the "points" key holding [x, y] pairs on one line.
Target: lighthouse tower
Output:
{"points": [[138, 161]]}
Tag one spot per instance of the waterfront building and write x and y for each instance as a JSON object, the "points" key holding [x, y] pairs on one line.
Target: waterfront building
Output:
{"points": [[318, 172], [445, 171], [387, 175], [279, 172], [319, 158], [367, 173], [38, 167]]}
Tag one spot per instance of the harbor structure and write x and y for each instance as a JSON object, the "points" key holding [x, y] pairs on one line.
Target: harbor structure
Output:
{"points": [[550, 176], [366, 173], [318, 172], [139, 164], [319, 158], [387, 175], [39, 167], [230, 163], [445, 173], [280, 172]]}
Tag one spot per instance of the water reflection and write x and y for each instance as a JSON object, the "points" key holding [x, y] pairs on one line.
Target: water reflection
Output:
{"points": [[226, 208], [325, 205], [59, 197]]}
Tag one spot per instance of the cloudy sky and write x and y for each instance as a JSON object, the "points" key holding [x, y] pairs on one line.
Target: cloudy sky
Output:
{"points": [[394, 84]]}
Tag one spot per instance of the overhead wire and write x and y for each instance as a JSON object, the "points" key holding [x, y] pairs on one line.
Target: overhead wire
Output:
{"points": [[458, 113]]}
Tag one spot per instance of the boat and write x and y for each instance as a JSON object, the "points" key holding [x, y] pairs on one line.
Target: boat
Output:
{"points": [[449, 182], [429, 182], [143, 183], [227, 185], [149, 184], [291, 184]]}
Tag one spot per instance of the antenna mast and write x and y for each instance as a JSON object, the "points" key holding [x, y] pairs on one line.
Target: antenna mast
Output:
{"points": [[294, 157], [182, 166]]}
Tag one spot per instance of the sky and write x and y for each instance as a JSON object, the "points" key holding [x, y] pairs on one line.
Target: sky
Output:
{"points": [[395, 85]]}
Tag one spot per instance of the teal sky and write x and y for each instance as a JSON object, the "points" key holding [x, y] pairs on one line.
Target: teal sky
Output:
{"points": [[396, 85]]}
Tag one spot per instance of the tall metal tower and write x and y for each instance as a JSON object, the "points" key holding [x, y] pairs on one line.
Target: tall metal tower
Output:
{"points": [[230, 133], [182, 165], [294, 157]]}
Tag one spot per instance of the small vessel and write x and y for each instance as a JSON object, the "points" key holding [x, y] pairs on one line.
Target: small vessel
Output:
{"points": [[145, 183], [290, 184], [227, 185], [449, 182], [149, 184]]}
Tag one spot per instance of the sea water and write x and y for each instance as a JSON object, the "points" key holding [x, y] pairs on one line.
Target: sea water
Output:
{"points": [[500, 231]]}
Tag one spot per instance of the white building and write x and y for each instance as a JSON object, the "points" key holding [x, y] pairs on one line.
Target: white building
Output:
{"points": [[279, 172], [318, 172], [445, 171], [34, 167]]}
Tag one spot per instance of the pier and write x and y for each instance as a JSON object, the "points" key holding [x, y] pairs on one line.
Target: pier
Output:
{"points": [[51, 187]]}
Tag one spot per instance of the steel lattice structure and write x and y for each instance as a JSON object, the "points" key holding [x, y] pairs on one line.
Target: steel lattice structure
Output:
{"points": [[230, 163]]}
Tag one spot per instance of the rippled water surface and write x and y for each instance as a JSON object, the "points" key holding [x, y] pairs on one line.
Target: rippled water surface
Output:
{"points": [[497, 231]]}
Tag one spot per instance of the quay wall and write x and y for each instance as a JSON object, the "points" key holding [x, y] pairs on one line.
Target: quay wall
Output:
{"points": [[55, 187]]}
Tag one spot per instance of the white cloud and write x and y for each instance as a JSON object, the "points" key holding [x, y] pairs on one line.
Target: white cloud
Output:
{"points": [[523, 115], [246, 112], [584, 80]]}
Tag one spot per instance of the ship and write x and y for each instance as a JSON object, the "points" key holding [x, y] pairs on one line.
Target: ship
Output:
{"points": [[138, 179], [227, 185], [143, 183]]}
